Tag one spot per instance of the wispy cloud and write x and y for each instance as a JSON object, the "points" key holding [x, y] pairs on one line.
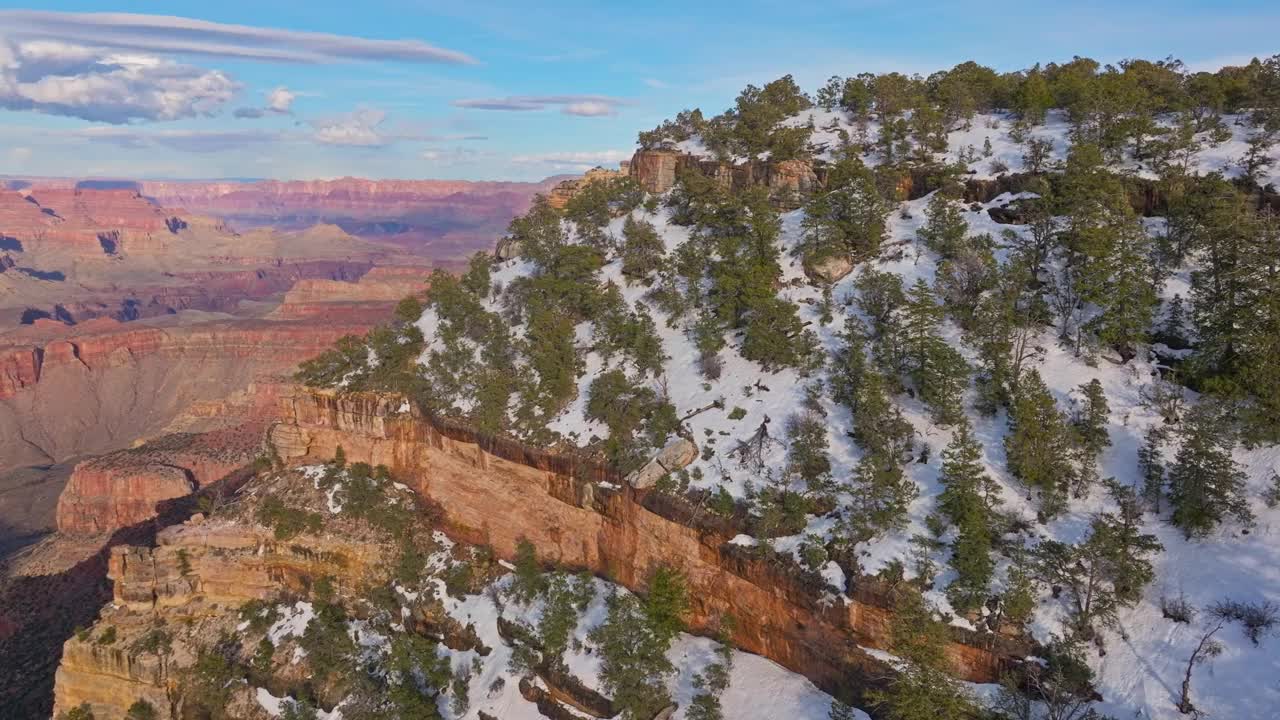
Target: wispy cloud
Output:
{"points": [[195, 141], [576, 160], [655, 83], [163, 33], [581, 105]]}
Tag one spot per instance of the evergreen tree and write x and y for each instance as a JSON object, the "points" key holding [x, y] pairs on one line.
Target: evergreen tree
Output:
{"points": [[881, 496], [807, 457], [1105, 572], [1206, 485], [776, 338], [922, 689], [1260, 375], [848, 364], [642, 249], [1151, 466], [1090, 424], [1033, 98], [945, 229], [937, 369], [848, 220], [969, 498], [529, 582], [1038, 444], [633, 642]]}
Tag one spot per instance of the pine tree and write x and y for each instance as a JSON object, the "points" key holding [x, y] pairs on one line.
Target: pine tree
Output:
{"points": [[1206, 485], [937, 369], [1038, 444], [847, 221], [1151, 466], [776, 338], [1105, 572], [1089, 422], [969, 498], [1260, 346], [922, 689], [807, 457], [945, 229], [1033, 98], [881, 496]]}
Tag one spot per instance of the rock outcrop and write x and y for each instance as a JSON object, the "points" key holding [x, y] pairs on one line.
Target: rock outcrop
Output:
{"points": [[579, 514], [788, 181], [562, 193], [123, 488]]}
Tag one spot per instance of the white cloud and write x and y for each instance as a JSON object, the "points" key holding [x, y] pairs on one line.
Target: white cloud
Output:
{"points": [[359, 128], [102, 86], [655, 83], [574, 159], [589, 108], [162, 33], [280, 100], [19, 155]]}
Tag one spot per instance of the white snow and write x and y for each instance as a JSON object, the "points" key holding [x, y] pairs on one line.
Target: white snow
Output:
{"points": [[1142, 668]]}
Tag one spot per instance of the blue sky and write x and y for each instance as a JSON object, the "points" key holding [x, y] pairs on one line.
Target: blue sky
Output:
{"points": [[493, 90]]}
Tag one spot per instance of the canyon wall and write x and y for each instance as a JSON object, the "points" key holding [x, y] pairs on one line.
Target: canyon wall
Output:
{"points": [[577, 514], [109, 383]]}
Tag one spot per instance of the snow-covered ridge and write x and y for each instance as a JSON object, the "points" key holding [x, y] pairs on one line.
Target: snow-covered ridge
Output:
{"points": [[1141, 666]]}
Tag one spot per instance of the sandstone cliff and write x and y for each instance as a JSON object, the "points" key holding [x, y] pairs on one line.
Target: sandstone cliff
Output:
{"points": [[577, 514]]}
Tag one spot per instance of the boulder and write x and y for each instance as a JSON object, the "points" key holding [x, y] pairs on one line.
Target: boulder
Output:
{"points": [[676, 455], [829, 270]]}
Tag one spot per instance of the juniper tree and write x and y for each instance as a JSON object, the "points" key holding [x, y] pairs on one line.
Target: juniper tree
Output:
{"points": [[968, 500], [1038, 445], [1206, 485]]}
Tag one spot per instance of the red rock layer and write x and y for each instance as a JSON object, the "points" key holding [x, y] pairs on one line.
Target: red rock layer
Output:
{"points": [[122, 488], [624, 534]]}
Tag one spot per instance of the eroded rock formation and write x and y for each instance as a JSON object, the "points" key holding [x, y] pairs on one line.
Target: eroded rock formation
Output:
{"points": [[123, 488], [578, 514]]}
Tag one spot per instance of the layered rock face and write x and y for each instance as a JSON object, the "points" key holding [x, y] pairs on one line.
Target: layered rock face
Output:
{"points": [[496, 492], [376, 292], [99, 386], [121, 489], [562, 193], [788, 181]]}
